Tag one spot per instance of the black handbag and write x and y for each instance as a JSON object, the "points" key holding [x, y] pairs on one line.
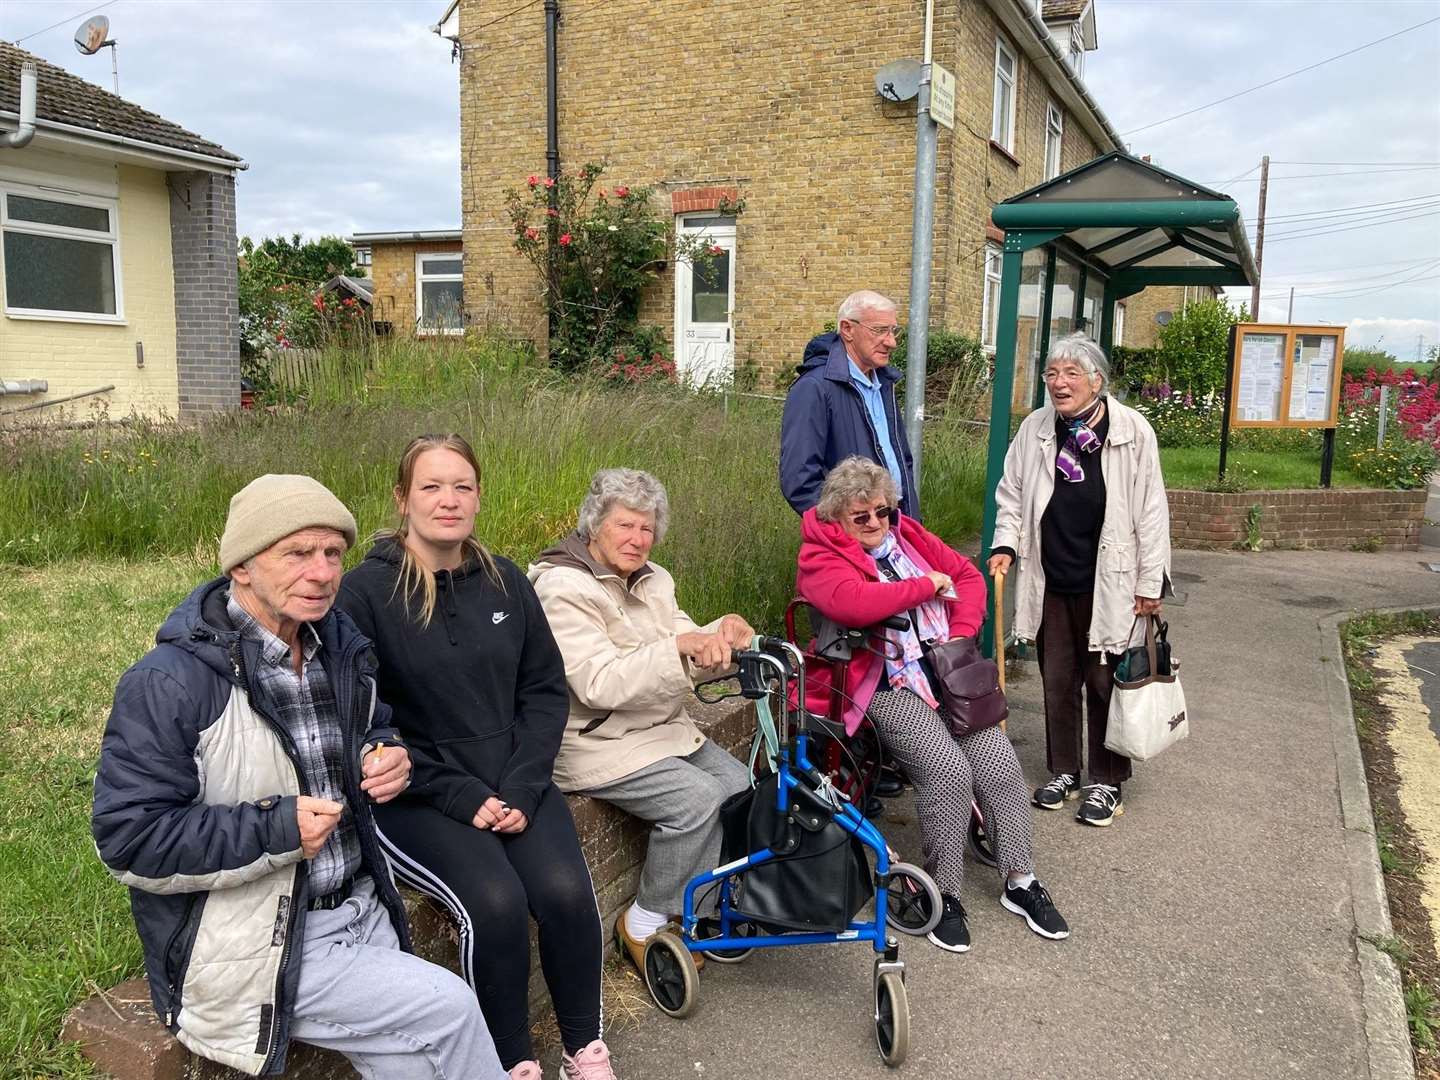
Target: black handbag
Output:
{"points": [[1134, 662], [821, 880]]}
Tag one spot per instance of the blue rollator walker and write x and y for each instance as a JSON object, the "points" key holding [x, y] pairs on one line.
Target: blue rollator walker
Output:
{"points": [[797, 864]]}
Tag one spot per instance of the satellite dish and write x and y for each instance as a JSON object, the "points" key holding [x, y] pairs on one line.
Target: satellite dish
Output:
{"points": [[90, 38], [1163, 317], [899, 80]]}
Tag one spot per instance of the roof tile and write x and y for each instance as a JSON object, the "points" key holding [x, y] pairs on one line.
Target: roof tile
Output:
{"points": [[63, 98]]}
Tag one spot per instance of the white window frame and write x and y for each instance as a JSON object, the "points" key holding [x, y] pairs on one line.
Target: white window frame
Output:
{"points": [[1054, 139], [421, 257], [1117, 328], [64, 232], [990, 307], [1004, 125], [1077, 50]]}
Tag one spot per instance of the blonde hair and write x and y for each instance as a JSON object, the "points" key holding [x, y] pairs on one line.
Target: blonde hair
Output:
{"points": [[415, 581], [856, 479]]}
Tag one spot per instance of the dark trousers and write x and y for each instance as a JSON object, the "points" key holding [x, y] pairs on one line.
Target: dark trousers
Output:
{"points": [[1069, 672], [492, 883]]}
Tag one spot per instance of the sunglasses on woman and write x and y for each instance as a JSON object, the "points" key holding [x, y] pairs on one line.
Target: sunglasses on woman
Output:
{"points": [[885, 513]]}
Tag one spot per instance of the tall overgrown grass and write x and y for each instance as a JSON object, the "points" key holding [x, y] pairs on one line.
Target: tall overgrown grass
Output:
{"points": [[148, 489]]}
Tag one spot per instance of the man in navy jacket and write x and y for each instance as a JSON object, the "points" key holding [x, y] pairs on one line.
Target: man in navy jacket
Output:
{"points": [[843, 403]]}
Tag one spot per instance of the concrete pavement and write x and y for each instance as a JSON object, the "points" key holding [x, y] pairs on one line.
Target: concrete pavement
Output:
{"points": [[1215, 926]]}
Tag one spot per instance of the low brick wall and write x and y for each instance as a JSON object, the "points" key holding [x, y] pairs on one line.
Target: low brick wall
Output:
{"points": [[1337, 519], [120, 1034]]}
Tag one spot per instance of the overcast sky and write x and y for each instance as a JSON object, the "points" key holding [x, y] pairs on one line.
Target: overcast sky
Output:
{"points": [[347, 112]]}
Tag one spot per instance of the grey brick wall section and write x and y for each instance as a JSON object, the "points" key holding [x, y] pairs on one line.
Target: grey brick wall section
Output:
{"points": [[207, 308]]}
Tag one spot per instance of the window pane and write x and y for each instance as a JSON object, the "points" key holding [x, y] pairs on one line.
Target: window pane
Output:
{"points": [[442, 305], [46, 212], [710, 291], [708, 221], [1027, 324], [429, 267], [1000, 127], [1062, 299], [51, 274], [1004, 63], [1094, 304]]}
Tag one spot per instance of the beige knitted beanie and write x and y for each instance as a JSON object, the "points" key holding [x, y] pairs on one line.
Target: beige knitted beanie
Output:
{"points": [[271, 507]]}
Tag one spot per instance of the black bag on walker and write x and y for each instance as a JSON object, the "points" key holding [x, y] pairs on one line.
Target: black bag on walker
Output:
{"points": [[818, 885]]}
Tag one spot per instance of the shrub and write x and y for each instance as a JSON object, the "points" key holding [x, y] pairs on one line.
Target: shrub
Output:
{"points": [[1180, 418], [957, 369], [1193, 350], [594, 250], [1398, 463], [1133, 369]]}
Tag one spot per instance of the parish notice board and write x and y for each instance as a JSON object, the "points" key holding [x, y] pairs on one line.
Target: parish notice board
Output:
{"points": [[1285, 376]]}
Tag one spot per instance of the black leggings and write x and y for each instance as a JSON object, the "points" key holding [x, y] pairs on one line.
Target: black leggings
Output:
{"points": [[489, 882]]}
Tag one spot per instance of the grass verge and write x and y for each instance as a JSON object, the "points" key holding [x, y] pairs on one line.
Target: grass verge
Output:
{"points": [[1412, 948], [1195, 468]]}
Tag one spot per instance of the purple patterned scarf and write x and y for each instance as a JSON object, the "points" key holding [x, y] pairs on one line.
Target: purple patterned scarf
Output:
{"points": [[1081, 440]]}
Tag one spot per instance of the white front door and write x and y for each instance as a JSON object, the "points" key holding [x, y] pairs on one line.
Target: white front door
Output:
{"points": [[705, 306]]}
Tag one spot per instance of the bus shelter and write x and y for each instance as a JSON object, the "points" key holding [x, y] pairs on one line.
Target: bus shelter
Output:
{"points": [[1076, 245]]}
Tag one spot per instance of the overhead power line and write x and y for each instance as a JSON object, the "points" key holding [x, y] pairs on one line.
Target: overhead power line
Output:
{"points": [[1281, 78], [1346, 210], [1353, 266], [1353, 218], [65, 22], [1352, 172], [1351, 228], [1274, 161], [1309, 286]]}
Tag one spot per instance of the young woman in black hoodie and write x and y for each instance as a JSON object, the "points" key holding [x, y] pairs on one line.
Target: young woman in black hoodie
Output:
{"points": [[477, 685]]}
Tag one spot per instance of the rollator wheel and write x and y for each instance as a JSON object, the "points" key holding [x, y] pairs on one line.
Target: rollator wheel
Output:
{"points": [[892, 1018], [670, 974], [981, 845], [711, 928], [912, 903]]}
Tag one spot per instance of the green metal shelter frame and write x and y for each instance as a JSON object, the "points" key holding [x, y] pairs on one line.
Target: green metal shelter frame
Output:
{"points": [[1118, 218]]}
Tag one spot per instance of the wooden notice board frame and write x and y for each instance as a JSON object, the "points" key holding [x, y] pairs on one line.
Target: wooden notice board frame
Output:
{"points": [[1243, 369]]}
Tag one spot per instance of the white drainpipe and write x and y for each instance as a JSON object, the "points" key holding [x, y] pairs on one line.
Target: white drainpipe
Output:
{"points": [[24, 386], [22, 135]]}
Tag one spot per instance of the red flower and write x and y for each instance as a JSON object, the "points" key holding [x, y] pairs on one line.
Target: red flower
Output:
{"points": [[532, 180], [565, 239], [621, 191], [549, 181], [532, 234], [602, 193], [550, 211], [716, 249]]}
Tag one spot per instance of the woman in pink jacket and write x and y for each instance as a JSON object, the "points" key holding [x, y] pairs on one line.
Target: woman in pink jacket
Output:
{"points": [[862, 562]]}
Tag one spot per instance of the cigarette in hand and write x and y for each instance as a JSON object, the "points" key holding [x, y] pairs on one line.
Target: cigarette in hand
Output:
{"points": [[378, 747]]}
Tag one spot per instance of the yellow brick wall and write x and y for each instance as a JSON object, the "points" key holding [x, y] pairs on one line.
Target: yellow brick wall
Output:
{"points": [[775, 97], [392, 269], [75, 357], [1141, 329]]}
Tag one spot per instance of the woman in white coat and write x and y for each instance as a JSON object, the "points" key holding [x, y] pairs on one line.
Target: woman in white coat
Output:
{"points": [[1082, 515]]}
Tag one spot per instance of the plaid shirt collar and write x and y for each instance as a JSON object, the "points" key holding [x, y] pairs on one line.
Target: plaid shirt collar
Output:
{"points": [[272, 650]]}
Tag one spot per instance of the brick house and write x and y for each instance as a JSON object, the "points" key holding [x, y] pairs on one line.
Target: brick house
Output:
{"points": [[117, 254], [774, 102], [417, 280]]}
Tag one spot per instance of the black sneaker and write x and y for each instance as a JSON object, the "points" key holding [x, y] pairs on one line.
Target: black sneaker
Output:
{"points": [[1057, 792], [1039, 913], [950, 932], [1102, 805]]}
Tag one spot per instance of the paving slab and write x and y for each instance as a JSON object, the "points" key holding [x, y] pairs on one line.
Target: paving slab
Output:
{"points": [[1214, 924]]}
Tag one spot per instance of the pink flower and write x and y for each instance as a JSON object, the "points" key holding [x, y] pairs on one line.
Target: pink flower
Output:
{"points": [[550, 211], [716, 249], [565, 239], [532, 234], [549, 181], [602, 193], [621, 191], [532, 180]]}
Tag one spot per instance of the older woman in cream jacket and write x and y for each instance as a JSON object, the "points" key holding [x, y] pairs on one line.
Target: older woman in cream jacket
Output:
{"points": [[1082, 515], [631, 658]]}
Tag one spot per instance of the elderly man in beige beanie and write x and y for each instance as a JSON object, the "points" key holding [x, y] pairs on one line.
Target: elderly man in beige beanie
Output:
{"points": [[237, 773]]}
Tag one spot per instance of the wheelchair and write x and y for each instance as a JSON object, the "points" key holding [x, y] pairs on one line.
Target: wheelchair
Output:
{"points": [[854, 763], [798, 862]]}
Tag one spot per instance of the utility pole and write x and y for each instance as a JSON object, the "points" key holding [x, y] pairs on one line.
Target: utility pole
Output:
{"points": [[917, 341], [1290, 312], [1260, 238]]}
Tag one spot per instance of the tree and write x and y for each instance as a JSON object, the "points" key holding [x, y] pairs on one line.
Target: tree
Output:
{"points": [[279, 278]]}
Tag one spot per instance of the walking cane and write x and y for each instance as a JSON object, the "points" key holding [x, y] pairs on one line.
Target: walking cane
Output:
{"points": [[1000, 631]]}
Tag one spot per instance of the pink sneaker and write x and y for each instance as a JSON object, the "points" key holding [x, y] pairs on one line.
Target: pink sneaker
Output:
{"points": [[527, 1070], [591, 1063]]}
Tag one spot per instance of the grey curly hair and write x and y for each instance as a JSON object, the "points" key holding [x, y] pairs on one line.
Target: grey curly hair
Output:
{"points": [[856, 479], [1080, 349], [630, 488]]}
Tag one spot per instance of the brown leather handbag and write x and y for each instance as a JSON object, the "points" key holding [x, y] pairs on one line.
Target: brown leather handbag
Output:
{"points": [[968, 685]]}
